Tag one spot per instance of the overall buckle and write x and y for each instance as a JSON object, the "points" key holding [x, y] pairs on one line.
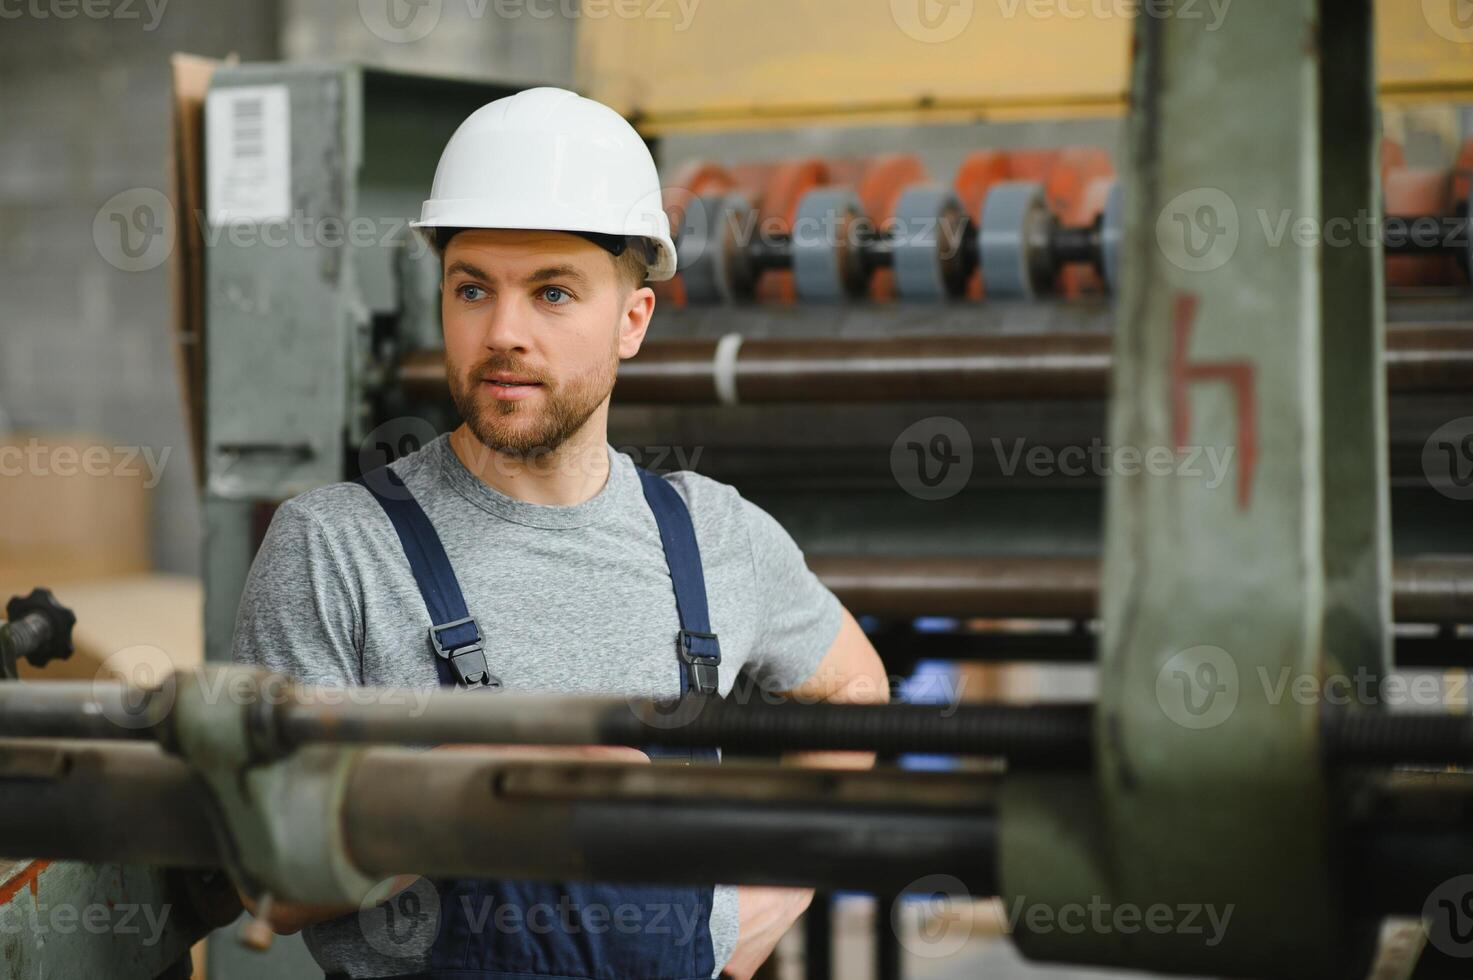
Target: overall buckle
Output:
{"points": [[459, 642], [701, 654]]}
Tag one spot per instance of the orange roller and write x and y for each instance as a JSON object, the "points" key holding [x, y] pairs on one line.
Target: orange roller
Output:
{"points": [[880, 185], [1068, 179], [883, 181], [1067, 188], [846, 171], [1414, 191], [1031, 164], [1463, 174], [785, 186], [1392, 157], [691, 179], [978, 172], [751, 180]]}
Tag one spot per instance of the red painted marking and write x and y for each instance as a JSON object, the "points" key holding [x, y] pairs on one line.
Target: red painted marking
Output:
{"points": [[26, 877], [1238, 375]]}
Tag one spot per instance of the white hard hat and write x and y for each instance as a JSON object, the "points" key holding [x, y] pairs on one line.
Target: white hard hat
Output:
{"points": [[547, 158]]}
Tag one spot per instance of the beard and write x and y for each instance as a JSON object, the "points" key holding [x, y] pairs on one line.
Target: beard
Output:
{"points": [[531, 426]]}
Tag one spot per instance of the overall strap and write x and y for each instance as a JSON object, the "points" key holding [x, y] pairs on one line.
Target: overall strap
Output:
{"points": [[460, 657], [695, 644]]}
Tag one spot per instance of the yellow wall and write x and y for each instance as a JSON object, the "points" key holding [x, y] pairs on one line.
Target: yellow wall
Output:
{"points": [[704, 64]]}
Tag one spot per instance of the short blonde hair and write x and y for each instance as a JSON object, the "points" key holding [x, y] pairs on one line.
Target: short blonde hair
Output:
{"points": [[631, 267]]}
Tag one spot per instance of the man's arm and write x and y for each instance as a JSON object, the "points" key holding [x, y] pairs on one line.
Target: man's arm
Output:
{"points": [[851, 672]]}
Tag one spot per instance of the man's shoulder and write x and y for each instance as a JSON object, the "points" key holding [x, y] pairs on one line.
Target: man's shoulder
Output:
{"points": [[344, 512], [348, 504]]}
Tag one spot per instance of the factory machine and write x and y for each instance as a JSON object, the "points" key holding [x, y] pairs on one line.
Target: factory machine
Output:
{"points": [[895, 364]]}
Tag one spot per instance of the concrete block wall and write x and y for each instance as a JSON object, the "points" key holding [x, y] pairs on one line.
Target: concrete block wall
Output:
{"points": [[84, 115]]}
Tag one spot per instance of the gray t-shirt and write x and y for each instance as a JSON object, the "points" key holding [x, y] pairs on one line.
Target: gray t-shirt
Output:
{"points": [[573, 599]]}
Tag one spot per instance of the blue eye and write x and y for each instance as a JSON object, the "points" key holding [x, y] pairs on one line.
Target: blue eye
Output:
{"points": [[466, 290], [551, 294]]}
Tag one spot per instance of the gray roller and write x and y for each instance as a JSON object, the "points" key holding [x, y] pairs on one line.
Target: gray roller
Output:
{"points": [[827, 264], [927, 245], [1012, 243], [712, 258], [1111, 233]]}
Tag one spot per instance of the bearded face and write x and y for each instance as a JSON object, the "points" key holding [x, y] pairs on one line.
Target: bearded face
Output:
{"points": [[538, 420], [535, 324]]}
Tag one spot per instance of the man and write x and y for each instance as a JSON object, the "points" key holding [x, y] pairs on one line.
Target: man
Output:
{"points": [[546, 215]]}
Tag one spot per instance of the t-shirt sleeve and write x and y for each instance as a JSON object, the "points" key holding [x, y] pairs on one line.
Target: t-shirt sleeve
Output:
{"points": [[798, 617], [297, 614]]}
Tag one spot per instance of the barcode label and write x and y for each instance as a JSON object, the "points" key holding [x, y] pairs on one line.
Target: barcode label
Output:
{"points": [[248, 154]]}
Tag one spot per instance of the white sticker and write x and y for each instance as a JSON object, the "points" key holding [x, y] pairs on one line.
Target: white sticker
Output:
{"points": [[248, 157]]}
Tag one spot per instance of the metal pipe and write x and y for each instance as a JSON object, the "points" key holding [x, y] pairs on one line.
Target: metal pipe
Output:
{"points": [[829, 828], [468, 813], [283, 716], [102, 801], [980, 367], [1425, 590]]}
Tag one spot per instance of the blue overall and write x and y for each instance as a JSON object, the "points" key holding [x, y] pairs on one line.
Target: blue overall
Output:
{"points": [[498, 930]]}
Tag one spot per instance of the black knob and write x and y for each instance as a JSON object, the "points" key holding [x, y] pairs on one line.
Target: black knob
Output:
{"points": [[54, 642]]}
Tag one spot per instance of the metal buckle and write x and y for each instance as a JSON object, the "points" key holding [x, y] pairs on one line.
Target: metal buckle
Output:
{"points": [[467, 659], [701, 654]]}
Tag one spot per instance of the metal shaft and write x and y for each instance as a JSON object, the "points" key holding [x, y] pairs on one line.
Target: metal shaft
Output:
{"points": [[1425, 590], [973, 367]]}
